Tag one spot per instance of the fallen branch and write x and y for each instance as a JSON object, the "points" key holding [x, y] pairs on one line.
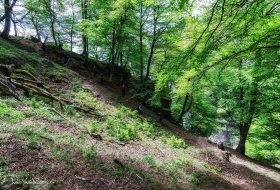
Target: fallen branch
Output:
{"points": [[160, 150], [7, 87], [40, 83], [51, 109], [26, 73], [85, 179]]}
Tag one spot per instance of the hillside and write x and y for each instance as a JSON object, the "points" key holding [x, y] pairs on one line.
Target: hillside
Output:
{"points": [[112, 147]]}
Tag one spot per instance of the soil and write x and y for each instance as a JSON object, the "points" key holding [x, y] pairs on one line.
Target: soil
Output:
{"points": [[243, 173]]}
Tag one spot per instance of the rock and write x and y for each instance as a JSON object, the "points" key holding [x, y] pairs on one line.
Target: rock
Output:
{"points": [[226, 155], [47, 62], [96, 94], [220, 145]]}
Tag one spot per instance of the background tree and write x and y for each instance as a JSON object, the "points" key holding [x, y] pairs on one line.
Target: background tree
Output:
{"points": [[8, 9]]}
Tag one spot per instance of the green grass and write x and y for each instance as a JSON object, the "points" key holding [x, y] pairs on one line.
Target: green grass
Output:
{"points": [[149, 159]]}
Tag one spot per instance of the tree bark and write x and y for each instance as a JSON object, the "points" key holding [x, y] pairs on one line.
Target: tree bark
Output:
{"points": [[7, 16], [184, 110], [155, 37], [141, 42], [113, 53], [243, 129], [247, 111], [84, 6]]}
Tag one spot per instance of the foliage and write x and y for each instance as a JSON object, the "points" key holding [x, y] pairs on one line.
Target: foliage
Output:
{"points": [[175, 142], [197, 179], [121, 129], [9, 114], [261, 149], [69, 109]]}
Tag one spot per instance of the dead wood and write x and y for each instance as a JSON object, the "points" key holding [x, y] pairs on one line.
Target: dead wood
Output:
{"points": [[7, 87], [7, 70], [26, 73], [39, 83], [85, 179], [51, 109], [29, 83]]}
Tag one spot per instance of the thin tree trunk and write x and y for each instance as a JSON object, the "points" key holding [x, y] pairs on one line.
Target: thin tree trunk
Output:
{"points": [[84, 37], [7, 27], [184, 109], [113, 54], [72, 29], [53, 31], [141, 42], [150, 59], [153, 45], [15, 27]]}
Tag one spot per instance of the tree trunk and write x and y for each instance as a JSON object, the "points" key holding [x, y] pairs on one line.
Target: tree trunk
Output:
{"points": [[113, 54], [15, 27], [7, 27], [72, 29], [243, 129], [141, 42], [84, 6], [247, 111], [184, 110], [53, 31], [152, 45]]}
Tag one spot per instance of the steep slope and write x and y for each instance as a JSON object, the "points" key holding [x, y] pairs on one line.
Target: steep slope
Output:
{"points": [[45, 147]]}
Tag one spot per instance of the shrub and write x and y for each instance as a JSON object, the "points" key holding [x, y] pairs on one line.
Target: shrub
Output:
{"points": [[9, 114], [69, 110], [175, 142]]}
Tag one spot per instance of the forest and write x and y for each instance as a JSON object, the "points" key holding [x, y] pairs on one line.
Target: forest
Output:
{"points": [[210, 66]]}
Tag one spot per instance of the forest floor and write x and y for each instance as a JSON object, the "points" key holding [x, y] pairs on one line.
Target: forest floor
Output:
{"points": [[72, 171]]}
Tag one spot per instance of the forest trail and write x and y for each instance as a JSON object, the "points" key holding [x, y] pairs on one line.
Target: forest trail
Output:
{"points": [[241, 172]]}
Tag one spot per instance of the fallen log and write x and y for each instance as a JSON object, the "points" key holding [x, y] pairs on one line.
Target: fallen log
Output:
{"points": [[10, 84]]}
